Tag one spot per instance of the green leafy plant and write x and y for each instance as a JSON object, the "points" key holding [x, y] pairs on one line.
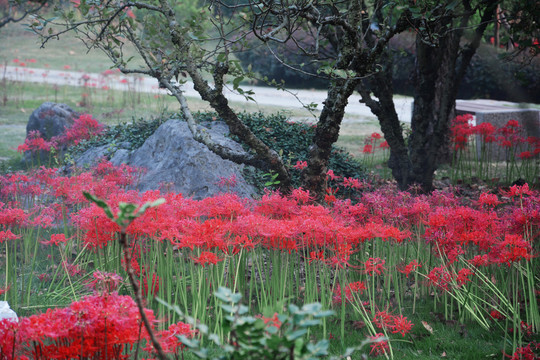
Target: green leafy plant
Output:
{"points": [[283, 336]]}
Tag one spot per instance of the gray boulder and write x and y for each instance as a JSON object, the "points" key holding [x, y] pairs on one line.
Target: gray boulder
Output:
{"points": [[51, 119], [171, 156], [173, 160]]}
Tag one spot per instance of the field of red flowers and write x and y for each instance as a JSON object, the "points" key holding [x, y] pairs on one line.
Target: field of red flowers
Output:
{"points": [[378, 260], [472, 259]]}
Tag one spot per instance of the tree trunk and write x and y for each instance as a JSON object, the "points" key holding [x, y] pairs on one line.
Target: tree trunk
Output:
{"points": [[438, 74], [326, 134]]}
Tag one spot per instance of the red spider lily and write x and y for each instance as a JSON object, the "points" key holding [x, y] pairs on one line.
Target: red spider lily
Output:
{"points": [[154, 287], [374, 265], [316, 256], [56, 239], [368, 149], [514, 248], [384, 145], [4, 290], [34, 143], [300, 165], [383, 320], [496, 315], [463, 276], [207, 257], [83, 128], [349, 290], [8, 235], [460, 130], [412, 266], [518, 190], [353, 183], [301, 196], [87, 328], [529, 352], [440, 278], [270, 321], [488, 199], [401, 325], [169, 338], [104, 282], [379, 346], [330, 174]]}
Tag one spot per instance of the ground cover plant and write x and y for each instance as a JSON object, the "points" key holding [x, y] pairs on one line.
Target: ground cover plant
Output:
{"points": [[391, 265]]}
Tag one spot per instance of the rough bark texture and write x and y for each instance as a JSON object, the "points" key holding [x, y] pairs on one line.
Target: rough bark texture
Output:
{"points": [[326, 134], [438, 73]]}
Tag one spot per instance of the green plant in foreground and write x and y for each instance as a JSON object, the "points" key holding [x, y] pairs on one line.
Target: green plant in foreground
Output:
{"points": [[280, 337], [126, 214]]}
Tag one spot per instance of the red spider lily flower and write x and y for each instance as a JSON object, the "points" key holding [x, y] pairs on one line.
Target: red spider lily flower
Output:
{"points": [[8, 235], [83, 128], [349, 290], [169, 338], [488, 199], [34, 142], [104, 282], [300, 165], [330, 174], [270, 321], [514, 248], [207, 257], [525, 155], [463, 276], [480, 260], [316, 256], [517, 190], [401, 325], [56, 239], [412, 266], [72, 269], [330, 199], [379, 346], [86, 329], [353, 183], [4, 290], [376, 136], [383, 320], [301, 196], [440, 277], [384, 145], [496, 315], [368, 149], [374, 265], [154, 288], [529, 352], [484, 129]]}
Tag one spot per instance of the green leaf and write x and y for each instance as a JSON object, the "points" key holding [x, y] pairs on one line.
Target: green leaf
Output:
{"points": [[296, 334]]}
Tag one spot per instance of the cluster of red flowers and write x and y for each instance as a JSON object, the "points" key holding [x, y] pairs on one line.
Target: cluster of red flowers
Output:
{"points": [[396, 324], [372, 142], [508, 136], [83, 128], [101, 326], [494, 231]]}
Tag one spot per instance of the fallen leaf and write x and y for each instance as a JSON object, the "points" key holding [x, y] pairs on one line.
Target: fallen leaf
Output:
{"points": [[427, 326], [24, 111], [71, 52]]}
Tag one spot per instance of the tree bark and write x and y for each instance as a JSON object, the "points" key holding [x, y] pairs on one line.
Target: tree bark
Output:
{"points": [[326, 134]]}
